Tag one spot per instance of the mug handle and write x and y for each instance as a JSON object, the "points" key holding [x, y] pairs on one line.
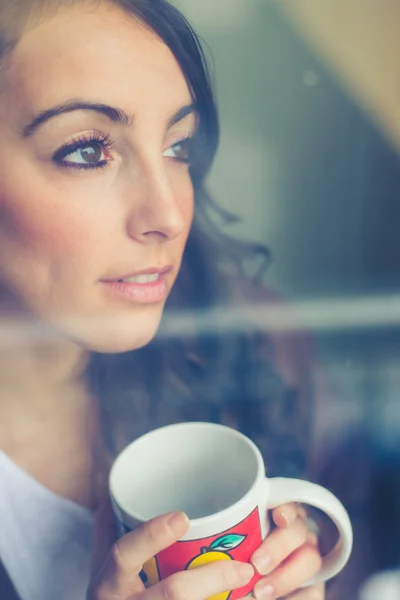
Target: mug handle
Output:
{"points": [[281, 490]]}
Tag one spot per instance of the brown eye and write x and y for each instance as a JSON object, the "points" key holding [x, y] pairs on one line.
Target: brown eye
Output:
{"points": [[85, 153], [180, 151], [90, 154]]}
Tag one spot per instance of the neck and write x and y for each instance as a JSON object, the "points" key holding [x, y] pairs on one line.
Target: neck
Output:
{"points": [[49, 421], [36, 362]]}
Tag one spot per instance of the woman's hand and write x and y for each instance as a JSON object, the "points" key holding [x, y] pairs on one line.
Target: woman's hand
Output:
{"points": [[116, 574], [288, 558]]}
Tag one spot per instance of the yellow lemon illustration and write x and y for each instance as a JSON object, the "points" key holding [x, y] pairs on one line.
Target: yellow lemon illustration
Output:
{"points": [[206, 557], [217, 551], [150, 574]]}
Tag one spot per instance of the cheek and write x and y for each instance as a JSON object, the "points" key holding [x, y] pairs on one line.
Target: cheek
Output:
{"points": [[188, 213], [185, 192], [36, 229], [38, 232]]}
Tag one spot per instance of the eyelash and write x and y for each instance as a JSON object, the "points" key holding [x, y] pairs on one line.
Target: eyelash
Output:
{"points": [[105, 143], [79, 143]]}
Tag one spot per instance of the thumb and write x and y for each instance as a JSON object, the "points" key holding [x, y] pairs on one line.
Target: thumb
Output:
{"points": [[105, 534]]}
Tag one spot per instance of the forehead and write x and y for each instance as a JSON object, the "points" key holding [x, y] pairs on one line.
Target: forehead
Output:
{"points": [[97, 52]]}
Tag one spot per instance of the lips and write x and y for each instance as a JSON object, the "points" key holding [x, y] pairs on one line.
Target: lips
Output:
{"points": [[151, 278], [143, 277], [147, 287]]}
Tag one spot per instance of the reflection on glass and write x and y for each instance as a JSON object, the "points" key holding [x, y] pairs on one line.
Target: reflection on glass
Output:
{"points": [[146, 279]]}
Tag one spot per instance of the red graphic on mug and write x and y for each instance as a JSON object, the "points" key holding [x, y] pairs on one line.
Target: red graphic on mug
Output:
{"points": [[237, 543]]}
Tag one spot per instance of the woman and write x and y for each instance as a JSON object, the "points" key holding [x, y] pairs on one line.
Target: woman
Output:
{"points": [[109, 128]]}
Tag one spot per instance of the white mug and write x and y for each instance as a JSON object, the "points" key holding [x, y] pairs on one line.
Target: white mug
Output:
{"points": [[216, 475]]}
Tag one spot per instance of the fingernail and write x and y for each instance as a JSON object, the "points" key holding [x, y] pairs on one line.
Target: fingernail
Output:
{"points": [[264, 591], [245, 572], [262, 564], [285, 517], [177, 522]]}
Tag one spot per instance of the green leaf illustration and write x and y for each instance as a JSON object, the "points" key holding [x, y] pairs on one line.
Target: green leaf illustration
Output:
{"points": [[227, 542]]}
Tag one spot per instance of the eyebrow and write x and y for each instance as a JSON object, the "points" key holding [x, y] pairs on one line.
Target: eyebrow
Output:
{"points": [[182, 113], [116, 115]]}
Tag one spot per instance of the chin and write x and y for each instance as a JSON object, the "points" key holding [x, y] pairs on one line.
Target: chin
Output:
{"points": [[112, 345], [118, 334]]}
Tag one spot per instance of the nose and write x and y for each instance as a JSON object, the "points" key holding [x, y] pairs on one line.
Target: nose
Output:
{"points": [[156, 209]]}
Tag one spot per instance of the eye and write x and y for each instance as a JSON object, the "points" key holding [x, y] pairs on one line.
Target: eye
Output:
{"points": [[180, 151], [90, 154], [85, 153]]}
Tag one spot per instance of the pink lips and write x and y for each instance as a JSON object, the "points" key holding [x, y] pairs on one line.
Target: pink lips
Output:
{"points": [[149, 271], [142, 293]]}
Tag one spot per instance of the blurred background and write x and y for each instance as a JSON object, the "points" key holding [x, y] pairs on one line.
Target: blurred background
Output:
{"points": [[309, 98]]}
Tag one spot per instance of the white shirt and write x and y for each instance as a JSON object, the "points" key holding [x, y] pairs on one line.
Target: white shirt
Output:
{"points": [[45, 540], [384, 586]]}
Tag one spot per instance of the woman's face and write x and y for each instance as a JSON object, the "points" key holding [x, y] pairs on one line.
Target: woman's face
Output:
{"points": [[96, 200]]}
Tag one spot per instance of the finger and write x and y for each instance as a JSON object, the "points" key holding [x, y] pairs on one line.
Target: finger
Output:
{"points": [[312, 539], [285, 515], [117, 578], [280, 544], [301, 566], [314, 592], [203, 582]]}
